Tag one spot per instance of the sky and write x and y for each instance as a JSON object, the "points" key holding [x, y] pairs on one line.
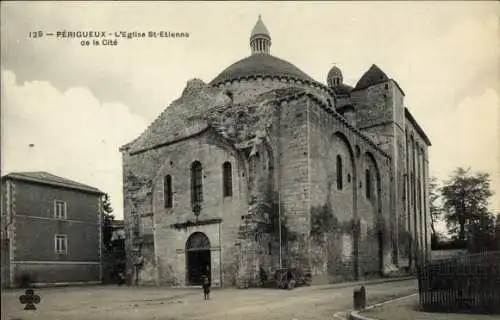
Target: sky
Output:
{"points": [[76, 105]]}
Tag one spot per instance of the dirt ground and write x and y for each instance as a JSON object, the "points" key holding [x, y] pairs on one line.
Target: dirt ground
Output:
{"points": [[127, 303]]}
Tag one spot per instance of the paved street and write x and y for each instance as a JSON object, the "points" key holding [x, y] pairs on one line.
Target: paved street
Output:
{"points": [[407, 309], [109, 302]]}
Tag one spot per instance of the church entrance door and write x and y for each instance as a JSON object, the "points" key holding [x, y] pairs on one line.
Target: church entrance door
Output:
{"points": [[198, 258]]}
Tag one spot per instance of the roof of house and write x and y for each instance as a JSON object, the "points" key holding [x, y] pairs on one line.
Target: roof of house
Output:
{"points": [[50, 179]]}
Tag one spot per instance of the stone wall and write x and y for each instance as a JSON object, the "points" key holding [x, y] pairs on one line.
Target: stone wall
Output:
{"points": [[373, 234], [350, 247], [148, 273], [399, 172], [293, 186], [373, 105], [333, 249], [403, 239], [176, 160], [256, 234], [381, 115], [418, 180], [245, 89], [298, 148]]}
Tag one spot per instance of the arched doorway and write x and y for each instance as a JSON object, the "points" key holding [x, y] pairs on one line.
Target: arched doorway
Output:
{"points": [[198, 258]]}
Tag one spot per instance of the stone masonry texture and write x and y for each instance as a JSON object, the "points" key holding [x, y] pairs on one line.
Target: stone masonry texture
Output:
{"points": [[348, 187], [303, 141]]}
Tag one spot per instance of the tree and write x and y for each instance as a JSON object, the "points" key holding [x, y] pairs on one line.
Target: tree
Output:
{"points": [[482, 233], [108, 217], [497, 231], [465, 204], [435, 209]]}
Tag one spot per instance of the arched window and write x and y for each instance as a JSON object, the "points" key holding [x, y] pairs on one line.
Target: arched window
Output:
{"points": [[196, 183], [339, 173], [368, 184], [167, 191], [227, 180]]}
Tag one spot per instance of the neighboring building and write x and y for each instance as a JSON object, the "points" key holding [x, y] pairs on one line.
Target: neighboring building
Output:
{"points": [[343, 169], [52, 229]]}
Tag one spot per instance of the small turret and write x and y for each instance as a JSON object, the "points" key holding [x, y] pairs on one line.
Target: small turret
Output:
{"points": [[260, 40], [334, 77]]}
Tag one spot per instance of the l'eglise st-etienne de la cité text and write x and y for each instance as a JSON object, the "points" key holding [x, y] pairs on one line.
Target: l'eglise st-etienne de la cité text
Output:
{"points": [[151, 34]]}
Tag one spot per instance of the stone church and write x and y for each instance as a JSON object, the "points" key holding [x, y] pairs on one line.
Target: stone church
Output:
{"points": [[265, 167]]}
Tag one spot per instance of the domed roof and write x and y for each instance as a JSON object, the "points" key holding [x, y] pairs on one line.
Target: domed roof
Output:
{"points": [[334, 71], [334, 77], [373, 76], [260, 29], [263, 65]]}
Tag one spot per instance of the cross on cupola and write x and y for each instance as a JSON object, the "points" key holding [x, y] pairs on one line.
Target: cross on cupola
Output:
{"points": [[260, 40]]}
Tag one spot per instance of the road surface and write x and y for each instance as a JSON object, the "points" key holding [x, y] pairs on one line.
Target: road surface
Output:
{"points": [[156, 303]]}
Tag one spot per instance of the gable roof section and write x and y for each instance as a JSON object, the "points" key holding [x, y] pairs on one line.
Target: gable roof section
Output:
{"points": [[46, 178], [373, 76], [173, 123]]}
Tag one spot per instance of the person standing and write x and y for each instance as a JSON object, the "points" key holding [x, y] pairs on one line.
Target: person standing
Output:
{"points": [[206, 288]]}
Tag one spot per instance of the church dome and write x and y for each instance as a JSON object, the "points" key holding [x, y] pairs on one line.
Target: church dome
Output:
{"points": [[261, 62], [373, 76], [334, 77], [261, 65]]}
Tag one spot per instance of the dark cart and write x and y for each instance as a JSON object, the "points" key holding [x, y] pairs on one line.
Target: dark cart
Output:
{"points": [[289, 278]]}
